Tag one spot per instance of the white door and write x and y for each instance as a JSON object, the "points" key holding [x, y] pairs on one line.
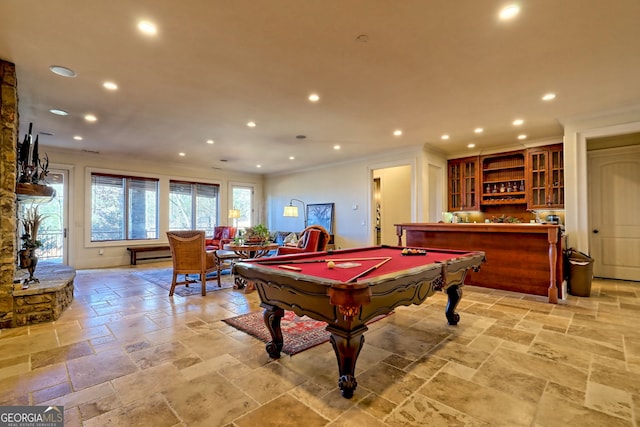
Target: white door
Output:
{"points": [[614, 203]]}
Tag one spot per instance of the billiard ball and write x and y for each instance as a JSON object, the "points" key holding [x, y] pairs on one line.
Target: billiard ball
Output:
{"points": [[331, 264]]}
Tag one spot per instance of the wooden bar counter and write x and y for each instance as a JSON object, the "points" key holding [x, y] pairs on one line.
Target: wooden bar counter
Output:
{"points": [[520, 257]]}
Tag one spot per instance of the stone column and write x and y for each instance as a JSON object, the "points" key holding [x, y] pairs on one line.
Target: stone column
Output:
{"points": [[8, 154]]}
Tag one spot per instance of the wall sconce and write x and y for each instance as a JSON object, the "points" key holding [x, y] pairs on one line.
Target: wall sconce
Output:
{"points": [[292, 211], [234, 214]]}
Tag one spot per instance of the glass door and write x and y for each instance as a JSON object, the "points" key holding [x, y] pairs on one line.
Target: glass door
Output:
{"points": [[53, 230], [242, 200]]}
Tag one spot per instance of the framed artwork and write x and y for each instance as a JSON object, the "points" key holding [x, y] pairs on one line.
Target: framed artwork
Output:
{"points": [[321, 214]]}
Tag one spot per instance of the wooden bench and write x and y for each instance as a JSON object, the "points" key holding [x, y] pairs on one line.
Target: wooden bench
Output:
{"points": [[134, 250]]}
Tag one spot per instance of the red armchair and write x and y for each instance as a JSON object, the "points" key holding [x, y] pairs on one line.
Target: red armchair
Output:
{"points": [[222, 235], [314, 238]]}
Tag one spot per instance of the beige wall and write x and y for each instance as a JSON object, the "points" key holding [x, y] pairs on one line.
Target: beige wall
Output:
{"points": [[349, 185]]}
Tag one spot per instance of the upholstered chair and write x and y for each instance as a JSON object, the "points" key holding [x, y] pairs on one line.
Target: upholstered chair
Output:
{"points": [[314, 238], [222, 235], [190, 257]]}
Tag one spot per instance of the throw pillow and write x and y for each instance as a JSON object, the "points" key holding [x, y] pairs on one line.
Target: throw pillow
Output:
{"points": [[291, 239]]}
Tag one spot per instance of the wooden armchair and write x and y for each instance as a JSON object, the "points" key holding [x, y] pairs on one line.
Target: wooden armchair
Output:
{"points": [[222, 235], [314, 238], [190, 257]]}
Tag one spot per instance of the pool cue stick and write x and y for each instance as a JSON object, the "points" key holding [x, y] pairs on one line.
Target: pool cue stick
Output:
{"points": [[368, 270], [290, 267]]}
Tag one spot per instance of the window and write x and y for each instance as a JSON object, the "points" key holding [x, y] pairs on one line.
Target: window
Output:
{"points": [[193, 206], [123, 208], [242, 198]]}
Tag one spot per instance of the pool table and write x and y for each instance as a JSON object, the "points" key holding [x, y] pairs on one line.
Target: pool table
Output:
{"points": [[363, 283]]}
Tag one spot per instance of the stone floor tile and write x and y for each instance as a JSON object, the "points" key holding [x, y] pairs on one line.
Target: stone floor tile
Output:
{"points": [[282, 411], [99, 368], [455, 393], [152, 411], [60, 354]]}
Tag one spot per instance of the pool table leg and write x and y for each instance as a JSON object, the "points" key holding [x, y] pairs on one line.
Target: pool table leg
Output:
{"points": [[347, 346], [272, 316], [455, 294]]}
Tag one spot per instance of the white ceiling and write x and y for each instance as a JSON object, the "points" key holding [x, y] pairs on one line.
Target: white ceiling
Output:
{"points": [[429, 67]]}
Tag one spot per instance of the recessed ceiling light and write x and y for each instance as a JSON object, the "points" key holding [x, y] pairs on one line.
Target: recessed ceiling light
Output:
{"points": [[509, 12], [471, 145], [314, 97], [397, 132], [258, 166], [251, 124], [110, 86], [549, 97], [62, 71], [77, 138], [336, 147], [210, 141], [182, 154], [58, 112], [445, 137], [90, 118], [522, 136], [148, 28], [291, 158], [478, 130], [518, 122]]}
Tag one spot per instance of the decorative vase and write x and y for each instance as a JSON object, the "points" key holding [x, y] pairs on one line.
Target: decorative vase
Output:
{"points": [[29, 260]]}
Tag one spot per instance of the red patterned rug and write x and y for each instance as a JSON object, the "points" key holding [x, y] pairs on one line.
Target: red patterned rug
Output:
{"points": [[299, 333]]}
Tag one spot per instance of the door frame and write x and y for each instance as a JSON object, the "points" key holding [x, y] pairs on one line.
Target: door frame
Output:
{"points": [[576, 200], [67, 172]]}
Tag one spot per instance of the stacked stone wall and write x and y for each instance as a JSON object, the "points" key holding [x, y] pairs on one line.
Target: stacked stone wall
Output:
{"points": [[8, 170], [45, 307]]}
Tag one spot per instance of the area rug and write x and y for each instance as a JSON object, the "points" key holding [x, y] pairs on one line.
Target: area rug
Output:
{"points": [[162, 277], [298, 333]]}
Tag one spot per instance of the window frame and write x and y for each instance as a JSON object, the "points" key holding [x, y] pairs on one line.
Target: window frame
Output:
{"points": [[127, 206], [194, 204], [88, 190]]}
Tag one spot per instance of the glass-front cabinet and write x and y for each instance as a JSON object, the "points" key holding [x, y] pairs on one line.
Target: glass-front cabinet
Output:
{"points": [[464, 184], [545, 173]]}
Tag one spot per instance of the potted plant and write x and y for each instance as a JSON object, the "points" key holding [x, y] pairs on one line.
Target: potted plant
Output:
{"points": [[256, 234], [31, 224]]}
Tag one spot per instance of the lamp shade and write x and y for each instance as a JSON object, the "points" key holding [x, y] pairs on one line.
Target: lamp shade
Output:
{"points": [[234, 213], [290, 211]]}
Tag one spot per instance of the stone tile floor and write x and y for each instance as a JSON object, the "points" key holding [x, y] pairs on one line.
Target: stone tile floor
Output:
{"points": [[126, 354]]}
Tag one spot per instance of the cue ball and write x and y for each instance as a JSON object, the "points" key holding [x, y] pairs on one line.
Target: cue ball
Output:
{"points": [[331, 264]]}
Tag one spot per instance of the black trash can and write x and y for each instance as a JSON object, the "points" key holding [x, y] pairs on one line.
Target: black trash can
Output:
{"points": [[580, 273]]}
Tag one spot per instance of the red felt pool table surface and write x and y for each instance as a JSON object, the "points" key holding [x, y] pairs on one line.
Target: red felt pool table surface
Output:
{"points": [[351, 263]]}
